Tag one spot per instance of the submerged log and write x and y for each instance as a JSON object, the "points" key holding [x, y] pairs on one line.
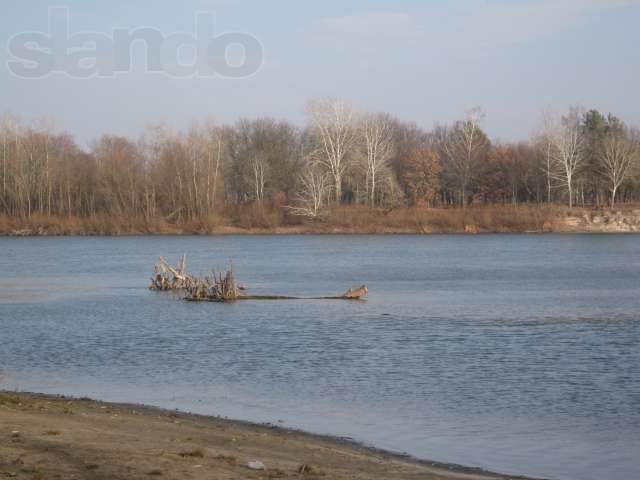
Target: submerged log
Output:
{"points": [[216, 299], [222, 287]]}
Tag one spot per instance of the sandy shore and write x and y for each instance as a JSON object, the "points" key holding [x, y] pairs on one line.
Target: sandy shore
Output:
{"points": [[44, 437]]}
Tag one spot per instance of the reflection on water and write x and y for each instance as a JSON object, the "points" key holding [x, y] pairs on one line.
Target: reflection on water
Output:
{"points": [[514, 353]]}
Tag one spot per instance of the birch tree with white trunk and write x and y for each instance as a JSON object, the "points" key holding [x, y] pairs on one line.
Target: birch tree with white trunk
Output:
{"points": [[314, 188], [545, 145], [214, 156], [377, 135], [333, 121], [567, 142], [618, 157], [258, 168]]}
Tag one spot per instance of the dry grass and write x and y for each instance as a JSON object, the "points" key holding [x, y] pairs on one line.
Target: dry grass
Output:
{"points": [[6, 399], [485, 219], [256, 216], [267, 218]]}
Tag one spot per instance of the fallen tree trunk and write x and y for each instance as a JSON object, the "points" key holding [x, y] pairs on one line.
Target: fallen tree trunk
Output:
{"points": [[222, 287], [167, 278], [267, 298]]}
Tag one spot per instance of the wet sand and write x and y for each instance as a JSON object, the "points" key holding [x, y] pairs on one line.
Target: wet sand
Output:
{"points": [[45, 437]]}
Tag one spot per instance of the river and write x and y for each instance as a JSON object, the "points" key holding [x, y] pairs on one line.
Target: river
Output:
{"points": [[514, 353]]}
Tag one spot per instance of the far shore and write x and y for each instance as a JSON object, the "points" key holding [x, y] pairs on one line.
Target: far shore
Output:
{"points": [[353, 220], [45, 436]]}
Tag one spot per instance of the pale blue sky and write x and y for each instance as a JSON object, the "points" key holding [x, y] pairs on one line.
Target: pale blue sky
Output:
{"points": [[423, 61]]}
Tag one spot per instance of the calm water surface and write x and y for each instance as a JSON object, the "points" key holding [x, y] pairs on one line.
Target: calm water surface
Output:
{"points": [[514, 353]]}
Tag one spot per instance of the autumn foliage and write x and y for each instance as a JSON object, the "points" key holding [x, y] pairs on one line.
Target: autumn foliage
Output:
{"points": [[422, 177], [372, 170]]}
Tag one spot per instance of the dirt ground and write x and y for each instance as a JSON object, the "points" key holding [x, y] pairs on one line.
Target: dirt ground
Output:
{"points": [[43, 437]]}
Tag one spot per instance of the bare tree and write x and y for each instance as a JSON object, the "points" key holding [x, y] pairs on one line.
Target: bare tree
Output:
{"points": [[47, 127], [263, 153], [5, 131], [377, 133], [618, 157], [214, 158], [465, 149], [333, 120], [195, 144], [567, 143], [258, 168], [182, 177], [543, 140], [549, 167], [313, 191]]}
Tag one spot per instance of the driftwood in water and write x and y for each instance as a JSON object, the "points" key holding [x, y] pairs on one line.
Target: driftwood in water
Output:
{"points": [[167, 278], [357, 293], [217, 288], [223, 289]]}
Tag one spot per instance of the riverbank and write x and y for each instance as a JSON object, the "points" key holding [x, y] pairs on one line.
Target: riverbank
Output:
{"points": [[345, 220], [44, 437]]}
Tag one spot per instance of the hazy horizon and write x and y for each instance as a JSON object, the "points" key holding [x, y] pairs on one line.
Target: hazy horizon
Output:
{"points": [[425, 62]]}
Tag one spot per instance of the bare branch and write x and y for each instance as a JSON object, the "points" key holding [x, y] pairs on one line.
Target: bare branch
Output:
{"points": [[333, 120]]}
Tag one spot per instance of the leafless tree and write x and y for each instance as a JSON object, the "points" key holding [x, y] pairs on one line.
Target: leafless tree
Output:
{"points": [[377, 135], [314, 188], [543, 141], [181, 178], [618, 157], [47, 127], [263, 153], [465, 149], [258, 168], [333, 120], [549, 166], [5, 131], [214, 160], [567, 144], [197, 151], [17, 167]]}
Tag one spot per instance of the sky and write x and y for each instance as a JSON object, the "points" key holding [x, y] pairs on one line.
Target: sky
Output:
{"points": [[422, 61]]}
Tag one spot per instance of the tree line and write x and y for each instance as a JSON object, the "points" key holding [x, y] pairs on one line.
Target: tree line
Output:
{"points": [[341, 156]]}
